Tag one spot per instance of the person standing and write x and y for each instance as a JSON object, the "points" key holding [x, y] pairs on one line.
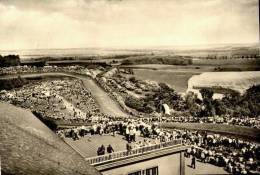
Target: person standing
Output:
{"points": [[128, 147], [110, 149], [193, 162], [103, 150]]}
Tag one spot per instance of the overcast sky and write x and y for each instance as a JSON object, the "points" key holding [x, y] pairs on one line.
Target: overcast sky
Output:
{"points": [[31, 24]]}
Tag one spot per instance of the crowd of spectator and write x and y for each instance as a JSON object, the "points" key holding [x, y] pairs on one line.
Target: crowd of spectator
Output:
{"points": [[235, 155], [228, 120], [33, 69], [68, 100], [119, 87], [55, 99]]}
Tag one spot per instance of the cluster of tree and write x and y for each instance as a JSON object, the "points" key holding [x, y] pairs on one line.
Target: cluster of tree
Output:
{"points": [[154, 101], [139, 104], [7, 84], [233, 104], [9, 60], [173, 60]]}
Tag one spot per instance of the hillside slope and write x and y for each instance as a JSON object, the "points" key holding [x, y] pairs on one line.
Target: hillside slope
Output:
{"points": [[28, 147]]}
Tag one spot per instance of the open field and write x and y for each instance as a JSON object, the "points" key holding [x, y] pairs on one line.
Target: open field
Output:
{"points": [[169, 67], [178, 80], [239, 81], [240, 131], [182, 78], [236, 61], [174, 75]]}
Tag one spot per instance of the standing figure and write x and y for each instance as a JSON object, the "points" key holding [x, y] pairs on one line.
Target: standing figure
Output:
{"points": [[193, 162]]}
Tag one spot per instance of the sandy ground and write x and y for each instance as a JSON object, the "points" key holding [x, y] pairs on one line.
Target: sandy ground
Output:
{"points": [[107, 105], [202, 168], [88, 145]]}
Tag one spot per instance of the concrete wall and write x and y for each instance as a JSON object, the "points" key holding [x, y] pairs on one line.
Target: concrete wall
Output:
{"points": [[167, 165]]}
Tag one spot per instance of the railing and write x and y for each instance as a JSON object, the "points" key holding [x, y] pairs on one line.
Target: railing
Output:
{"points": [[137, 151]]}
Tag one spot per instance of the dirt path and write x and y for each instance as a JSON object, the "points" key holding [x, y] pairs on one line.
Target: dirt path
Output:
{"points": [[106, 104]]}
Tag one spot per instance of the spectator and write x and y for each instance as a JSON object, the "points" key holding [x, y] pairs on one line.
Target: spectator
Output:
{"points": [[193, 162], [110, 149]]}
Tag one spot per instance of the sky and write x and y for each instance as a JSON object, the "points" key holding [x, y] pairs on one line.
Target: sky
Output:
{"points": [[35, 24]]}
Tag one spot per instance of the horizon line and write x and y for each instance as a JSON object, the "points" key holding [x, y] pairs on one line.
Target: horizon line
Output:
{"points": [[136, 47]]}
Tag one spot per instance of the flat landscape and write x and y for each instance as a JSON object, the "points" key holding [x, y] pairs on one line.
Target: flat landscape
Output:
{"points": [[239, 81]]}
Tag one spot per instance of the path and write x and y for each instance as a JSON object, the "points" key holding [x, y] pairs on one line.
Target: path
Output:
{"points": [[107, 105]]}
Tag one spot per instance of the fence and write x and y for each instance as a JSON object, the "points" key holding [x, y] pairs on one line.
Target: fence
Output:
{"points": [[137, 151]]}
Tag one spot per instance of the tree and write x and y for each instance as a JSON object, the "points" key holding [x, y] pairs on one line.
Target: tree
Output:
{"points": [[220, 107], [207, 95]]}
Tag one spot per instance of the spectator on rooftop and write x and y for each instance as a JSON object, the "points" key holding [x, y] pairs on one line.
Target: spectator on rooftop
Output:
{"points": [[110, 149]]}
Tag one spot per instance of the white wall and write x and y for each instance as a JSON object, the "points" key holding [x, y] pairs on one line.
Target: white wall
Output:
{"points": [[167, 165]]}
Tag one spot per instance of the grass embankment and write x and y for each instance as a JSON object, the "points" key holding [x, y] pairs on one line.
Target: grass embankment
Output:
{"points": [[238, 131]]}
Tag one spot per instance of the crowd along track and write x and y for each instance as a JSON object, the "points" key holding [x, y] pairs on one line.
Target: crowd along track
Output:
{"points": [[106, 103]]}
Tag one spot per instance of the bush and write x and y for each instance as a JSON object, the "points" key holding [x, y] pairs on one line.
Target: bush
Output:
{"points": [[9, 84], [9, 60]]}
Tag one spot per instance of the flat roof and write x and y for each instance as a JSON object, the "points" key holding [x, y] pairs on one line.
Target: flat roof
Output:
{"points": [[87, 146]]}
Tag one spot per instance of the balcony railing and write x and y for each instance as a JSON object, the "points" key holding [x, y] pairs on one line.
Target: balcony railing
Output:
{"points": [[133, 152]]}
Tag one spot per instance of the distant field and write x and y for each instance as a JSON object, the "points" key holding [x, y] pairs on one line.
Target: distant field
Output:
{"points": [[236, 61], [236, 76], [175, 75], [240, 131], [178, 80], [170, 67], [239, 81]]}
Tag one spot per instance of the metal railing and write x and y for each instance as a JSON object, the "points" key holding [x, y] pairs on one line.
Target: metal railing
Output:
{"points": [[133, 152]]}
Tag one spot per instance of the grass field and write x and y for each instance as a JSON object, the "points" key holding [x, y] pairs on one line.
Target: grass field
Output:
{"points": [[174, 75], [239, 131], [178, 80], [182, 77], [239, 81]]}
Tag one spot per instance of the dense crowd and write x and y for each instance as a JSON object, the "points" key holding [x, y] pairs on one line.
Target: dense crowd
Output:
{"points": [[235, 155], [228, 120], [57, 99], [33, 69], [68, 100], [119, 86], [129, 128]]}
